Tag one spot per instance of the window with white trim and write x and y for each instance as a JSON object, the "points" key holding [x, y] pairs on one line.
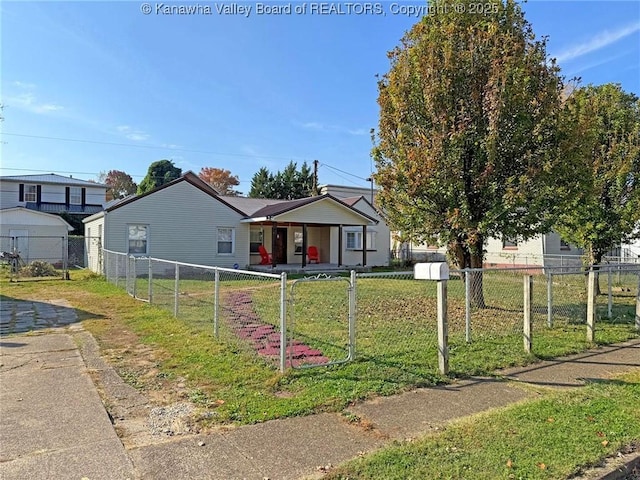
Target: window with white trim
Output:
{"points": [[75, 195], [138, 236], [256, 238], [509, 243], [354, 240], [30, 193], [226, 240], [297, 243]]}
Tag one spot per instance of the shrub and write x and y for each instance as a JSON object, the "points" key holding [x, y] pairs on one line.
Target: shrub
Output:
{"points": [[39, 268]]}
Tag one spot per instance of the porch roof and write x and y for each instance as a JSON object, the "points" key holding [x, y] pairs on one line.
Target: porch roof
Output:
{"points": [[320, 210]]}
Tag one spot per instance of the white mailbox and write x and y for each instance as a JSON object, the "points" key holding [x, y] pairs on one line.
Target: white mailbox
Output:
{"points": [[431, 271]]}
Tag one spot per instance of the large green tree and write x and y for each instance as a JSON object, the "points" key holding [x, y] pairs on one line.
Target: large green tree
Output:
{"points": [[602, 125], [159, 173], [467, 143], [288, 184]]}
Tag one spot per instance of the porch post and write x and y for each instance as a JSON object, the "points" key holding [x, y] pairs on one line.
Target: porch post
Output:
{"points": [[339, 245], [304, 245], [274, 233], [364, 245]]}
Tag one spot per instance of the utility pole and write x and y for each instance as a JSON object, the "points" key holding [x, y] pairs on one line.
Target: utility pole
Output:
{"points": [[370, 179], [314, 191]]}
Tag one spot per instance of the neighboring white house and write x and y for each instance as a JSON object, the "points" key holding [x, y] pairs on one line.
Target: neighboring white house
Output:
{"points": [[52, 193], [34, 235], [186, 220], [543, 250], [630, 251]]}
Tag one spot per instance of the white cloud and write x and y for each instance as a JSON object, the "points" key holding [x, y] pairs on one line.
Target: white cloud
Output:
{"points": [[25, 99], [48, 107], [321, 127], [596, 42], [314, 126], [131, 133], [24, 85]]}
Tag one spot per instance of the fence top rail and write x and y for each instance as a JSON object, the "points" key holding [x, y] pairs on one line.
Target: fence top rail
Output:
{"points": [[115, 253], [205, 267], [555, 270], [34, 236], [385, 274]]}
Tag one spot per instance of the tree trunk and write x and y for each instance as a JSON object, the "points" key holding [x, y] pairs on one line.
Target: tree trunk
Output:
{"points": [[477, 290], [465, 256], [595, 258]]}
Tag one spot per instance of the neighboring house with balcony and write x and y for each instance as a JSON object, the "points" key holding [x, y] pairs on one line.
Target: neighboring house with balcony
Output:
{"points": [[72, 198], [37, 213]]}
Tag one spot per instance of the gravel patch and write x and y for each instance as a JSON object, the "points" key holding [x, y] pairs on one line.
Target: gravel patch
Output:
{"points": [[171, 420]]}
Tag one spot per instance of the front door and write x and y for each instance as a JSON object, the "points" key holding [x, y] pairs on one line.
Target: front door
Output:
{"points": [[280, 251]]}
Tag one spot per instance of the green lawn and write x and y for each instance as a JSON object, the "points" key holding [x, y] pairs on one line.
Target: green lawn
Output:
{"points": [[395, 337], [550, 438]]}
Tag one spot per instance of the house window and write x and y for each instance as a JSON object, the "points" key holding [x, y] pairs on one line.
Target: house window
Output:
{"points": [[75, 195], [226, 237], [297, 242], [509, 243], [256, 237], [30, 193], [138, 239], [564, 245], [354, 240]]}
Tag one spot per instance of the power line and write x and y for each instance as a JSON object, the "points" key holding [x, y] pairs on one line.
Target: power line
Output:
{"points": [[342, 171], [154, 147]]}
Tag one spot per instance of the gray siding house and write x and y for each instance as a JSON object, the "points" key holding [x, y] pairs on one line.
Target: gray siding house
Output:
{"points": [[188, 221]]}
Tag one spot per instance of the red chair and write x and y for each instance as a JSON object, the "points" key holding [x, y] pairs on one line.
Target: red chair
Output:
{"points": [[313, 254], [265, 258]]}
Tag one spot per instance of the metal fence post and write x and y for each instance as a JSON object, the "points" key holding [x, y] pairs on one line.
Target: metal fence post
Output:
{"points": [[65, 258], [638, 305], [216, 301], [467, 304], [609, 294], [591, 304], [352, 316], [550, 299], [283, 322], [443, 348], [176, 292], [150, 281], [117, 262], [132, 276], [528, 291]]}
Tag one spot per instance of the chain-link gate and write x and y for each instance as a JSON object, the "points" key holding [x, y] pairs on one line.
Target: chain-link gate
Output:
{"points": [[321, 328]]}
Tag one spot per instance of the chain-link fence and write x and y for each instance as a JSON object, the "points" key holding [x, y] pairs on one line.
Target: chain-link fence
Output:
{"points": [[396, 322], [396, 318], [34, 257], [85, 252], [310, 321], [240, 306], [116, 267]]}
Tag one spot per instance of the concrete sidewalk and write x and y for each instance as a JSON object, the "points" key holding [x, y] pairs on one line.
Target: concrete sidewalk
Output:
{"points": [[53, 423]]}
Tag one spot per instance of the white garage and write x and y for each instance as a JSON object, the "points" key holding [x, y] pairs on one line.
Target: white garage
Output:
{"points": [[34, 235]]}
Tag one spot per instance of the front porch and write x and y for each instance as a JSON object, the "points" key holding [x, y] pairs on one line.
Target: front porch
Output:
{"points": [[283, 236], [312, 269]]}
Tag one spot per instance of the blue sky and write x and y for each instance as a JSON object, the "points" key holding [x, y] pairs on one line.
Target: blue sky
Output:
{"points": [[94, 86]]}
